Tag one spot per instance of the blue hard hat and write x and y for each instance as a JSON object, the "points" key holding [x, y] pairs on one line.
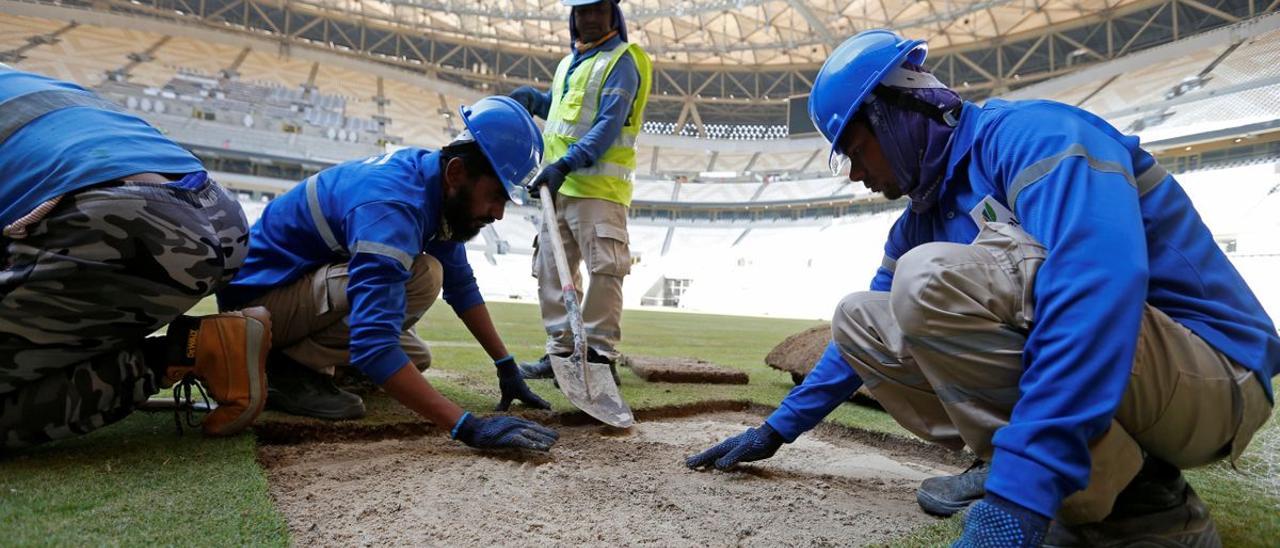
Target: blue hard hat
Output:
{"points": [[509, 138], [851, 72]]}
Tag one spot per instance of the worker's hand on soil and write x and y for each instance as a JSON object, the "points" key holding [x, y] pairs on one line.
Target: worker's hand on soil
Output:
{"points": [[503, 433], [996, 521], [752, 445], [514, 388], [552, 176]]}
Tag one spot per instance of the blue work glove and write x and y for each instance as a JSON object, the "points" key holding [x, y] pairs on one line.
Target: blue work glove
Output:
{"points": [[503, 432], [514, 388], [526, 96], [553, 176], [752, 445], [998, 522]]}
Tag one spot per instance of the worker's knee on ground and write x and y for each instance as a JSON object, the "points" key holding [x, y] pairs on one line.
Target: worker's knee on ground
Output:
{"points": [[426, 277], [609, 254], [919, 284]]}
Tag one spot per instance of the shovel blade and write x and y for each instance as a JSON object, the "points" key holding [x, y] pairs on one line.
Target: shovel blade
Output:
{"points": [[602, 401]]}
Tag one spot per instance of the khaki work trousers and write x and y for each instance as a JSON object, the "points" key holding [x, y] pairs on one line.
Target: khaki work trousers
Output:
{"points": [[942, 352], [309, 317], [594, 231]]}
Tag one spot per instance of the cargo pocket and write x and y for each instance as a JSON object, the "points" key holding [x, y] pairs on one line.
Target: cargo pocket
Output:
{"points": [[609, 252], [1188, 431], [1020, 255], [571, 105], [1254, 412], [329, 289]]}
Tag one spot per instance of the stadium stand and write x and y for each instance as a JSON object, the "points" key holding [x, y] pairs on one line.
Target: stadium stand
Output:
{"points": [[737, 212]]}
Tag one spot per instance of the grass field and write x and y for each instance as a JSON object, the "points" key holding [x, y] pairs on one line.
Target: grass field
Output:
{"points": [[137, 483]]}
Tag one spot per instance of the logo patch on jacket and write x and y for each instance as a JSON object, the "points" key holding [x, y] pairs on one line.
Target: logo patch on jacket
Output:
{"points": [[990, 210]]}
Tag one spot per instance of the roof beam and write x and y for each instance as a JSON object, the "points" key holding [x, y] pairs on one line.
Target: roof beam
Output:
{"points": [[817, 25]]}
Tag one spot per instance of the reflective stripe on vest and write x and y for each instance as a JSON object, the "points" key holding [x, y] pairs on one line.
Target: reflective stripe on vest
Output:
{"points": [[608, 169], [590, 98]]}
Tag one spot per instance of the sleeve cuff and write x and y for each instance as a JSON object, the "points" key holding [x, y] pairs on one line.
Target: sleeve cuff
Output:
{"points": [[466, 301], [383, 365], [1026, 483], [786, 424]]}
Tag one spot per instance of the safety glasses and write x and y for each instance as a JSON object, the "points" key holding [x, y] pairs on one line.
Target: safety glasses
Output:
{"points": [[840, 161]]}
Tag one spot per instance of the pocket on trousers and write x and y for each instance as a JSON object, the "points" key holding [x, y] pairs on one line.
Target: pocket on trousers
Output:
{"points": [[1254, 413], [329, 289], [1020, 255], [610, 254], [1190, 429]]}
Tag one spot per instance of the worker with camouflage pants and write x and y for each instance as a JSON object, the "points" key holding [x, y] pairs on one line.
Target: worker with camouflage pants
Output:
{"points": [[108, 236]]}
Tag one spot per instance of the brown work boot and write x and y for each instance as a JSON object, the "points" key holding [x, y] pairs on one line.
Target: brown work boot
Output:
{"points": [[227, 353]]}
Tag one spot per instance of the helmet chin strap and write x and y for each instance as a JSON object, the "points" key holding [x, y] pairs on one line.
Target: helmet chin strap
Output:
{"points": [[890, 91]]}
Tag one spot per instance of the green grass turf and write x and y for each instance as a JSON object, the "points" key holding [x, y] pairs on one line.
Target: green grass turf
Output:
{"points": [[135, 483]]}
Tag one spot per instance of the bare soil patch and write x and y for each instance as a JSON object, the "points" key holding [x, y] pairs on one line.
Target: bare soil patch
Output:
{"points": [[599, 487], [686, 370]]}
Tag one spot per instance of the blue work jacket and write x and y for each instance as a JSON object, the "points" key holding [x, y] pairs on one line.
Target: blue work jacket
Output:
{"points": [[1120, 233], [376, 214]]}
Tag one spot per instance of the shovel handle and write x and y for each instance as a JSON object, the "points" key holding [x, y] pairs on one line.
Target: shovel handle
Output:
{"points": [[557, 243], [570, 292]]}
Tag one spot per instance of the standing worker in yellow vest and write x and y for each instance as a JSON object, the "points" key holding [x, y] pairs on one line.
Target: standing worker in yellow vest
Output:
{"points": [[593, 111]]}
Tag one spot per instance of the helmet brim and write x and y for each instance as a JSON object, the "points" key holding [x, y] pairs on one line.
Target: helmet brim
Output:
{"points": [[917, 48], [514, 189]]}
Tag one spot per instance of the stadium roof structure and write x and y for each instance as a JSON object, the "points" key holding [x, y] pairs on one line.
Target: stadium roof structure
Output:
{"points": [[728, 62]]}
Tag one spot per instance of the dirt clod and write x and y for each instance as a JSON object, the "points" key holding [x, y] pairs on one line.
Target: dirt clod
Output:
{"points": [[797, 354], [687, 370]]}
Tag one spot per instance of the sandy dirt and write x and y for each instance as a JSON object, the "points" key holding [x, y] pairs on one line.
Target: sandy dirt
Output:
{"points": [[687, 370], [596, 488]]}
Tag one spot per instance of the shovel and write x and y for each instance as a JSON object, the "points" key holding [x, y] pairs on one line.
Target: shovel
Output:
{"points": [[589, 386]]}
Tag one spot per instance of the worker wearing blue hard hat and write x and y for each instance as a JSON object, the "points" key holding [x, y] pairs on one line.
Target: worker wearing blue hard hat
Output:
{"points": [[352, 258], [1049, 299], [594, 111]]}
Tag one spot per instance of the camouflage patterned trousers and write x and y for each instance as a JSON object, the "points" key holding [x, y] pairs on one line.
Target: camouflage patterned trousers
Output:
{"points": [[105, 268]]}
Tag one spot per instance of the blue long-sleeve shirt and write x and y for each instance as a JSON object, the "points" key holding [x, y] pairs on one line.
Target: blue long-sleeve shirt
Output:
{"points": [[830, 382], [616, 95], [376, 214], [54, 154], [1120, 233], [1074, 182]]}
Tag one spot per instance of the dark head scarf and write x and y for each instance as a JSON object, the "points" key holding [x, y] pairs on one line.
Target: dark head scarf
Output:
{"points": [[619, 24], [913, 116]]}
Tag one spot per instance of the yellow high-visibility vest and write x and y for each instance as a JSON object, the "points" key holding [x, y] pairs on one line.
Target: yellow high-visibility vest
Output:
{"points": [[573, 112]]}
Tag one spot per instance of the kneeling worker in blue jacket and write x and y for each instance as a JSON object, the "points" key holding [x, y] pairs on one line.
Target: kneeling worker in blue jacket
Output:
{"points": [[1050, 299], [351, 259]]}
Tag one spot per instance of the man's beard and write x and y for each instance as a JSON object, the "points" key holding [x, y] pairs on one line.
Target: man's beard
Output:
{"points": [[457, 224]]}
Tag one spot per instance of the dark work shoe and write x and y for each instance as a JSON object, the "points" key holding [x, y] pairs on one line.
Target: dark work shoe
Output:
{"points": [[1158, 508], [596, 357], [298, 390], [540, 369], [946, 495]]}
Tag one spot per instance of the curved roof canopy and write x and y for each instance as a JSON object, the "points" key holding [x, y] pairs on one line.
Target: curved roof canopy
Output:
{"points": [[735, 32]]}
